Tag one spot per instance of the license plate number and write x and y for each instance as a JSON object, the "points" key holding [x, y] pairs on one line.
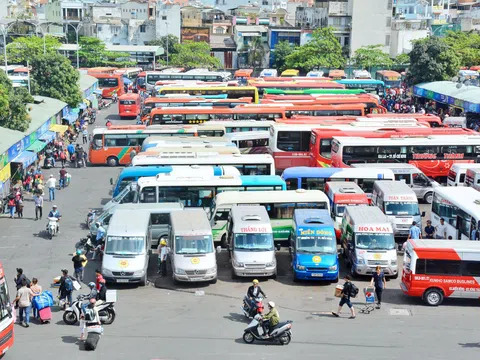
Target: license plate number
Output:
{"points": [[317, 275], [122, 280]]}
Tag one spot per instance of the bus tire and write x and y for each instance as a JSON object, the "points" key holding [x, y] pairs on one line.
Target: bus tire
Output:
{"points": [[433, 297], [428, 197], [112, 161]]}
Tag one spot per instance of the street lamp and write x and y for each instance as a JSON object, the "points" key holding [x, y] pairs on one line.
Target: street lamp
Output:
{"points": [[166, 26], [77, 29]]}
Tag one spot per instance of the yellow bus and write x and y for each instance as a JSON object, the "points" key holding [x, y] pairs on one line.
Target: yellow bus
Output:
{"points": [[213, 92], [290, 73]]}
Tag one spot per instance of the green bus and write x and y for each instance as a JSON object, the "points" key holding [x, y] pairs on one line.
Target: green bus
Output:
{"points": [[314, 91]]}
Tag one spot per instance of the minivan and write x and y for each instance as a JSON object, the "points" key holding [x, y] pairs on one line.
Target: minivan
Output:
{"points": [[457, 173]]}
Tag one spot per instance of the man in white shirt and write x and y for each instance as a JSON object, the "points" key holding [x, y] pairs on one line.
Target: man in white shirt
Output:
{"points": [[162, 258], [441, 229], [51, 184]]}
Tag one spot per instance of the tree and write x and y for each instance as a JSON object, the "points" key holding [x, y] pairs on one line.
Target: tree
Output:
{"points": [[402, 59], [431, 59], [13, 110], [93, 52], [54, 76], [24, 49], [162, 41], [190, 54], [466, 45], [280, 53], [369, 56], [255, 52], [323, 50]]}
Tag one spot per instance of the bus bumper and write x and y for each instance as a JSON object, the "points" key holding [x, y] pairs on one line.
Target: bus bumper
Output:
{"points": [[369, 270], [317, 275]]}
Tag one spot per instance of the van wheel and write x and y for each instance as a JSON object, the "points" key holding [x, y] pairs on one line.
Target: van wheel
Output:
{"points": [[143, 282], [395, 276], [214, 281], [428, 197], [112, 161], [433, 297]]}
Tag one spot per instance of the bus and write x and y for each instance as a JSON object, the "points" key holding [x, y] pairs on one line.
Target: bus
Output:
{"points": [[163, 141], [292, 79], [109, 84], [376, 87], [361, 74], [200, 191], [321, 139], [101, 70], [433, 155], [262, 86], [290, 73], [153, 76], [312, 91], [302, 177], [232, 92], [201, 114], [313, 110], [391, 79], [140, 82], [337, 74], [6, 319], [19, 80], [252, 142], [24, 71], [243, 75], [130, 73], [437, 269], [279, 205], [129, 105], [243, 126], [10, 70], [433, 120], [112, 146]]}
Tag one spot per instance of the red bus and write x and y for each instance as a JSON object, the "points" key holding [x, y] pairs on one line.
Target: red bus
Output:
{"points": [[6, 318], [434, 120], [140, 84], [321, 140], [129, 105], [109, 84], [101, 70], [315, 110]]}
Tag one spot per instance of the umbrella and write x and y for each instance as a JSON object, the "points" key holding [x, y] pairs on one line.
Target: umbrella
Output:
{"points": [[127, 81]]}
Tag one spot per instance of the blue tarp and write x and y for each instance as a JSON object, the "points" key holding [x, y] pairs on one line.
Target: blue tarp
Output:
{"points": [[127, 81], [48, 136], [71, 117], [82, 106], [45, 299], [26, 158]]}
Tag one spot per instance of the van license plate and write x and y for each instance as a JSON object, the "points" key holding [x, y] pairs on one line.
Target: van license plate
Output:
{"points": [[122, 280], [317, 275]]}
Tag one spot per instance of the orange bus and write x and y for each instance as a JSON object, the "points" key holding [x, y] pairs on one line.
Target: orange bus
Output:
{"points": [[102, 70], [109, 84], [315, 110], [6, 318], [433, 120], [129, 105], [337, 74], [290, 79], [295, 85], [243, 74]]}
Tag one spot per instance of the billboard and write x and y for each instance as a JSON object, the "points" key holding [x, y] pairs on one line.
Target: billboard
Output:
{"points": [[196, 34]]}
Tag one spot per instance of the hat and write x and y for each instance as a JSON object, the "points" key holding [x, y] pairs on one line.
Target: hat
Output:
{"points": [[79, 252], [163, 242], [271, 304], [255, 281], [51, 175], [54, 206]]}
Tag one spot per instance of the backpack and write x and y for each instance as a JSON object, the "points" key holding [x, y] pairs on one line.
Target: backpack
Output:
{"points": [[89, 314], [353, 290], [68, 284]]}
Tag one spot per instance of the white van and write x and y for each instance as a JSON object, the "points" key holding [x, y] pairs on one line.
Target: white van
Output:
{"points": [[412, 176], [457, 173], [368, 241], [472, 178], [398, 201], [192, 253], [127, 247], [250, 242], [269, 73]]}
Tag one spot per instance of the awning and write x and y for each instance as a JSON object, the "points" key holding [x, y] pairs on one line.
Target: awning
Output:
{"points": [[48, 136], [36, 146], [26, 158], [71, 117], [75, 111], [82, 106], [252, 34], [59, 128]]}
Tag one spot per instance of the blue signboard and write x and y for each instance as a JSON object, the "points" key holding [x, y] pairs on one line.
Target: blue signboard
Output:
{"points": [[15, 150]]}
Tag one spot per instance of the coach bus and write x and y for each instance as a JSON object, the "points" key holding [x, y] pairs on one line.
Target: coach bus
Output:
{"points": [[391, 79], [376, 87], [262, 86], [158, 102], [109, 84], [232, 92], [433, 155], [129, 105], [244, 125], [433, 120], [6, 317]]}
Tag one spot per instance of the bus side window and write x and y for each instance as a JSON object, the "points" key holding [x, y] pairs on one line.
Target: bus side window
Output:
{"points": [[462, 178], [403, 177]]}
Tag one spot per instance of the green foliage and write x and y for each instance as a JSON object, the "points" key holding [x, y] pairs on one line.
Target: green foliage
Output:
{"points": [[93, 53], [190, 54], [24, 49], [255, 51], [282, 50], [431, 59], [402, 59], [13, 110], [466, 45], [5, 81], [323, 50], [162, 41], [369, 56], [54, 76], [4, 103]]}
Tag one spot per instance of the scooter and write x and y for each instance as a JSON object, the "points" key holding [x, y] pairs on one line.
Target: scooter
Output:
{"points": [[250, 311], [85, 245], [106, 311], [90, 217], [281, 333], [48, 163], [52, 226]]}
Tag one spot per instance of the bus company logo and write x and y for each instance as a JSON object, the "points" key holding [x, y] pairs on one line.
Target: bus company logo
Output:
{"points": [[123, 264], [374, 229], [195, 261], [253, 229], [317, 259], [453, 156], [424, 156], [315, 232], [402, 198]]}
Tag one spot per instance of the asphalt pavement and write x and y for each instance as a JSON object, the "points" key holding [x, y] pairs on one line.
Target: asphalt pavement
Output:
{"points": [[199, 321]]}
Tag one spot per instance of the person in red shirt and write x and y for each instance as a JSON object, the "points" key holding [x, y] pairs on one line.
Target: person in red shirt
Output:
{"points": [[63, 177], [98, 278]]}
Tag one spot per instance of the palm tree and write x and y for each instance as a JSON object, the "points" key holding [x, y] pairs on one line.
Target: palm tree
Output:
{"points": [[255, 51]]}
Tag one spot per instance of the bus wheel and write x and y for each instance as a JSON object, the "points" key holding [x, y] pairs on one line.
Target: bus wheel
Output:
{"points": [[428, 197], [112, 161], [433, 297]]}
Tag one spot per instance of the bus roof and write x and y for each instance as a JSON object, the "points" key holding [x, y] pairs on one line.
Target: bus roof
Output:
{"points": [[360, 81], [121, 222], [298, 84], [344, 187], [464, 166], [248, 135], [372, 216], [388, 73], [129, 96], [473, 171], [180, 89], [445, 246], [223, 180], [254, 197], [303, 171], [193, 158], [464, 197], [420, 140], [312, 218]]}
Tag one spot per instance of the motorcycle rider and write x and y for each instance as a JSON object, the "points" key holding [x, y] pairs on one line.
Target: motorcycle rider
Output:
{"points": [[253, 291], [93, 295], [55, 214], [102, 293], [270, 319], [98, 239]]}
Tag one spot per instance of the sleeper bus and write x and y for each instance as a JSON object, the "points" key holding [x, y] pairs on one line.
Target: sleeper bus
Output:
{"points": [[244, 125], [391, 79], [262, 86], [376, 87], [232, 92], [109, 84], [313, 91], [129, 105], [433, 155], [433, 120]]}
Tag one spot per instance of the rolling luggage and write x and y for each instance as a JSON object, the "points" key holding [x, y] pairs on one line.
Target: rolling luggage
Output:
{"points": [[45, 315], [91, 341]]}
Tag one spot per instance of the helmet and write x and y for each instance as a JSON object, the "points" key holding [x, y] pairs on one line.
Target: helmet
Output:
{"points": [[93, 301], [54, 206], [97, 223], [163, 242], [79, 252], [255, 281], [271, 304], [91, 284]]}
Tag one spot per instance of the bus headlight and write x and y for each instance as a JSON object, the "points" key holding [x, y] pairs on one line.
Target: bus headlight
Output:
{"points": [[212, 270], [179, 271], [393, 262], [139, 273], [238, 264], [332, 268], [300, 267], [360, 261], [270, 264]]}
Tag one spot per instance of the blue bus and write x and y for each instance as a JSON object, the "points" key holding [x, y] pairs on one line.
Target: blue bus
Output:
{"points": [[376, 87], [314, 246]]}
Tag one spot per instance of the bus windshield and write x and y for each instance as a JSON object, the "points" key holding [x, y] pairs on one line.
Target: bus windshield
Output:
{"points": [[107, 82], [193, 244], [125, 245], [402, 208], [317, 244], [375, 241], [253, 242]]}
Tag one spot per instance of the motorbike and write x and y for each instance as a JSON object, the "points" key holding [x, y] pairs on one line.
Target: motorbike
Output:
{"points": [[52, 226], [281, 333], [106, 311], [91, 217], [86, 245], [48, 163], [250, 311]]}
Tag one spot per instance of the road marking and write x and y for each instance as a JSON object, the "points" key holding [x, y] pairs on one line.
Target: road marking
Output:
{"points": [[400, 312]]}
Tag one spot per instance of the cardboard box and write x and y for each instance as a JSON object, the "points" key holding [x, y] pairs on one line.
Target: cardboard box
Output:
{"points": [[111, 296], [338, 290]]}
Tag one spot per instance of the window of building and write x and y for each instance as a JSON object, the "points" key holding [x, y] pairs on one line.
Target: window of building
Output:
{"points": [[142, 28], [164, 17], [219, 30], [387, 40], [389, 21], [389, 5]]}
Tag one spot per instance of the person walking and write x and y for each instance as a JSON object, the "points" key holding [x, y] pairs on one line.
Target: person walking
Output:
{"points": [[162, 258], [11, 206], [79, 263], [429, 230], [63, 157], [378, 280], [414, 232], [346, 294], [51, 184], [66, 287], [37, 290], [38, 198], [19, 207], [98, 278], [63, 178], [71, 150], [24, 303], [85, 136], [19, 278], [441, 229]]}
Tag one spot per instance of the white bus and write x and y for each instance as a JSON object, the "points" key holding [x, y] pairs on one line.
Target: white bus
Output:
{"points": [[247, 164], [161, 141], [459, 207], [472, 178], [280, 207], [232, 126], [251, 142], [457, 173]]}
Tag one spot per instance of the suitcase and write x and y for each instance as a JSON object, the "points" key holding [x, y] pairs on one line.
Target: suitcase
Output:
{"points": [[91, 341], [45, 314]]}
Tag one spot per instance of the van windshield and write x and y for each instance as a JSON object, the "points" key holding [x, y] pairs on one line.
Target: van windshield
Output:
{"points": [[253, 242], [317, 244], [402, 208], [125, 245], [375, 241], [193, 244]]}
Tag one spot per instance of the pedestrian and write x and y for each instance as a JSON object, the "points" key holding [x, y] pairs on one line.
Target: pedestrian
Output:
{"points": [[51, 184], [66, 287], [378, 280], [79, 263], [98, 278], [37, 290], [71, 150], [19, 278], [63, 177], [11, 206], [414, 232], [24, 303], [162, 258], [19, 207], [347, 292], [441, 229], [429, 230], [63, 157], [85, 158], [85, 136]]}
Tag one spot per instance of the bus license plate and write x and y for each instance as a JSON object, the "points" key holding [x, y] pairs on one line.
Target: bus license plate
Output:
{"points": [[122, 280], [317, 275]]}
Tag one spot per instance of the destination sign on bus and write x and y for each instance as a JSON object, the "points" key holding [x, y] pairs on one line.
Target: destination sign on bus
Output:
{"points": [[438, 156], [402, 198], [254, 230], [375, 229], [316, 232]]}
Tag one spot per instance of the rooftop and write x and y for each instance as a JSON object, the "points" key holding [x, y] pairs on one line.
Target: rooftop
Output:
{"points": [[8, 138], [467, 93], [158, 50], [86, 81], [42, 111]]}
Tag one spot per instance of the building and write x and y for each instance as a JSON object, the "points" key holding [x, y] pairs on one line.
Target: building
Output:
{"points": [[168, 19], [244, 36], [311, 17], [218, 22], [191, 16]]}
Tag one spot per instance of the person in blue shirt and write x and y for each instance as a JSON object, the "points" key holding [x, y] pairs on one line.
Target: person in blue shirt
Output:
{"points": [[55, 214], [414, 232], [71, 150], [100, 232]]}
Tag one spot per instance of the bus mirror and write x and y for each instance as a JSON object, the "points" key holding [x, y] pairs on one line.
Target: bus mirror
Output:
{"points": [[423, 213], [111, 181]]}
